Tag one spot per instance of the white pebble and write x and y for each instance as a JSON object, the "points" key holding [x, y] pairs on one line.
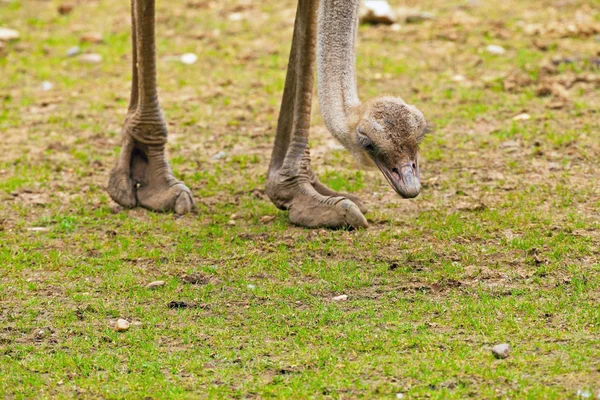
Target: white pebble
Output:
{"points": [[91, 58], [495, 49], [189, 58], [47, 86], [122, 325], [219, 155], [501, 350], [522, 117], [73, 51], [236, 16], [342, 297], [8, 34], [584, 394], [38, 229]]}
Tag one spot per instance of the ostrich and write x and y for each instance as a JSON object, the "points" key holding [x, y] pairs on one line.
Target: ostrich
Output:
{"points": [[384, 132]]}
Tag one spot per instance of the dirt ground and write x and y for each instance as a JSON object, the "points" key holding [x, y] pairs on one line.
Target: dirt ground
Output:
{"points": [[502, 245]]}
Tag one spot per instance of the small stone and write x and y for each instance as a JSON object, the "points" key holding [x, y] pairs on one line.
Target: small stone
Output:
{"points": [[258, 194], [521, 117], [73, 51], [495, 49], [342, 297], [458, 78], [65, 9], [541, 44], [155, 285], [266, 219], [501, 351], [396, 27], [122, 325], [399, 395], [251, 287], [92, 37], [584, 394], [7, 35], [47, 86], [91, 58], [510, 144], [189, 58], [38, 229], [220, 155], [377, 12], [231, 222], [556, 104], [236, 16], [39, 334]]}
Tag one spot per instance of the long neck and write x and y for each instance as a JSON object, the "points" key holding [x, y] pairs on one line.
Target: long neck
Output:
{"points": [[336, 64]]}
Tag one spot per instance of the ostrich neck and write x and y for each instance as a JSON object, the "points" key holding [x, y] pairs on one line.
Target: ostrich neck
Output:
{"points": [[336, 65]]}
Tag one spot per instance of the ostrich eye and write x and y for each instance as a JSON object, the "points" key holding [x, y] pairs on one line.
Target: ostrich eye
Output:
{"points": [[369, 146], [365, 141]]}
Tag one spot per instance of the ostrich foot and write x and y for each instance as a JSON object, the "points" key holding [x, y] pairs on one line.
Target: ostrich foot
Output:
{"points": [[325, 191], [313, 205], [143, 177]]}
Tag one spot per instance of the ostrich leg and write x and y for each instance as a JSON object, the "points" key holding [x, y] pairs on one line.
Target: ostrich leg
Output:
{"points": [[142, 175], [291, 184], [135, 91]]}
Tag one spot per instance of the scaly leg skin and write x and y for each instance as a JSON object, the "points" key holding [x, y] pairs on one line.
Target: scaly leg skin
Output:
{"points": [[310, 203], [291, 185], [142, 175], [325, 191]]}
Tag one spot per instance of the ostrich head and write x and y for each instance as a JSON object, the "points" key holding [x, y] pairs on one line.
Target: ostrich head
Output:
{"points": [[387, 134]]}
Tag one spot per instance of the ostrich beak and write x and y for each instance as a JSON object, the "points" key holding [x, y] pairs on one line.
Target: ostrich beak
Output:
{"points": [[405, 178]]}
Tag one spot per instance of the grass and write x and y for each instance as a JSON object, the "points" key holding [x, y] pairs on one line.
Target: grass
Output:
{"points": [[502, 246]]}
